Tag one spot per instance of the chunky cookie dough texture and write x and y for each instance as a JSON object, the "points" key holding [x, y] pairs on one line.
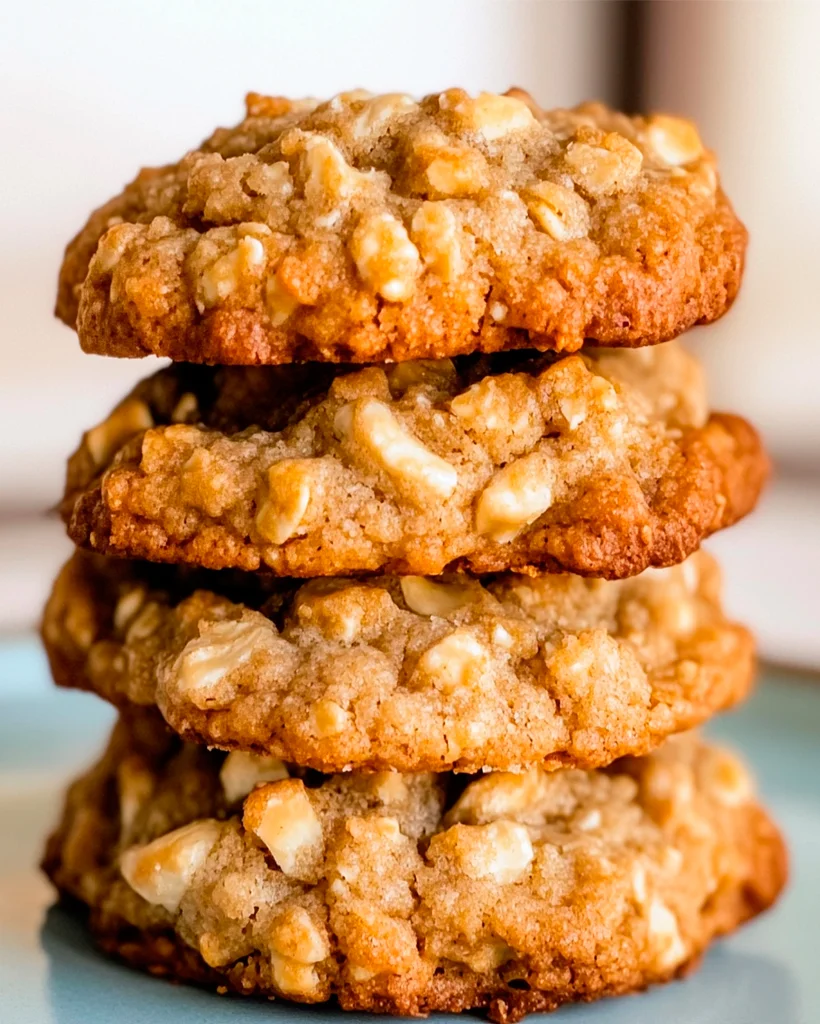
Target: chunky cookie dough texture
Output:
{"points": [[601, 464], [411, 893], [410, 673], [377, 228]]}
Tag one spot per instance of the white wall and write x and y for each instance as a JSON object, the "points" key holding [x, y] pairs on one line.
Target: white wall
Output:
{"points": [[92, 91], [749, 73]]}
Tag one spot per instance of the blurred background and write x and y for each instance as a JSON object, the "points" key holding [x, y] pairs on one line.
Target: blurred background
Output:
{"points": [[94, 90]]}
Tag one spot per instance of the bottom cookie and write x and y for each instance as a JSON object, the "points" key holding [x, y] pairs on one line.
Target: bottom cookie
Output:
{"points": [[412, 893]]}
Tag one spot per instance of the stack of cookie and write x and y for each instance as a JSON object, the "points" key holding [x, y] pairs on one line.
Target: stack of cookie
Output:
{"points": [[389, 519]]}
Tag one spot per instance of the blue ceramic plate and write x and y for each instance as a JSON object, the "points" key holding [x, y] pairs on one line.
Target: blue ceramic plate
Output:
{"points": [[50, 973]]}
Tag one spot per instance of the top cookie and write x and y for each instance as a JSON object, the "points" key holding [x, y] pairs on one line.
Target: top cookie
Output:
{"points": [[375, 228]]}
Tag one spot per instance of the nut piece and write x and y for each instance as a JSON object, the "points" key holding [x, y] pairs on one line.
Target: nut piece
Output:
{"points": [[435, 232], [562, 213], [162, 871], [286, 499], [222, 648], [491, 115], [296, 944], [385, 257], [515, 497], [129, 418], [225, 274], [428, 597], [675, 140], [242, 772], [458, 660], [282, 816], [406, 461], [606, 167], [501, 851]]}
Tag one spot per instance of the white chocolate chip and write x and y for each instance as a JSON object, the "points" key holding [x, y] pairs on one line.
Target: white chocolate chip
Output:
{"points": [[221, 649], [162, 871], [293, 978], [498, 795], [328, 179], [296, 935], [359, 973], [605, 168], [590, 821], [515, 497], [111, 246], [129, 418], [501, 850], [225, 274], [436, 233], [386, 259], [491, 115], [186, 409], [286, 498], [135, 784], [675, 140], [665, 936], [559, 211], [404, 458], [639, 884], [412, 372], [428, 597], [329, 718], [241, 772], [378, 110], [282, 816], [459, 660], [128, 606], [727, 779], [279, 301]]}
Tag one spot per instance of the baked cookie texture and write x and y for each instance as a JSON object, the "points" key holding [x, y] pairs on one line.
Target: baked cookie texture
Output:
{"points": [[408, 894], [375, 228], [600, 464], [404, 673]]}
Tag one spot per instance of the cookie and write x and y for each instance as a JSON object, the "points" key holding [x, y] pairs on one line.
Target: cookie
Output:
{"points": [[600, 464], [374, 228], [409, 894], [408, 673]]}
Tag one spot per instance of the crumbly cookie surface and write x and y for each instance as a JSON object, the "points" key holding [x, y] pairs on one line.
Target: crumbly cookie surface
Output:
{"points": [[600, 464], [398, 893], [409, 673], [375, 228]]}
